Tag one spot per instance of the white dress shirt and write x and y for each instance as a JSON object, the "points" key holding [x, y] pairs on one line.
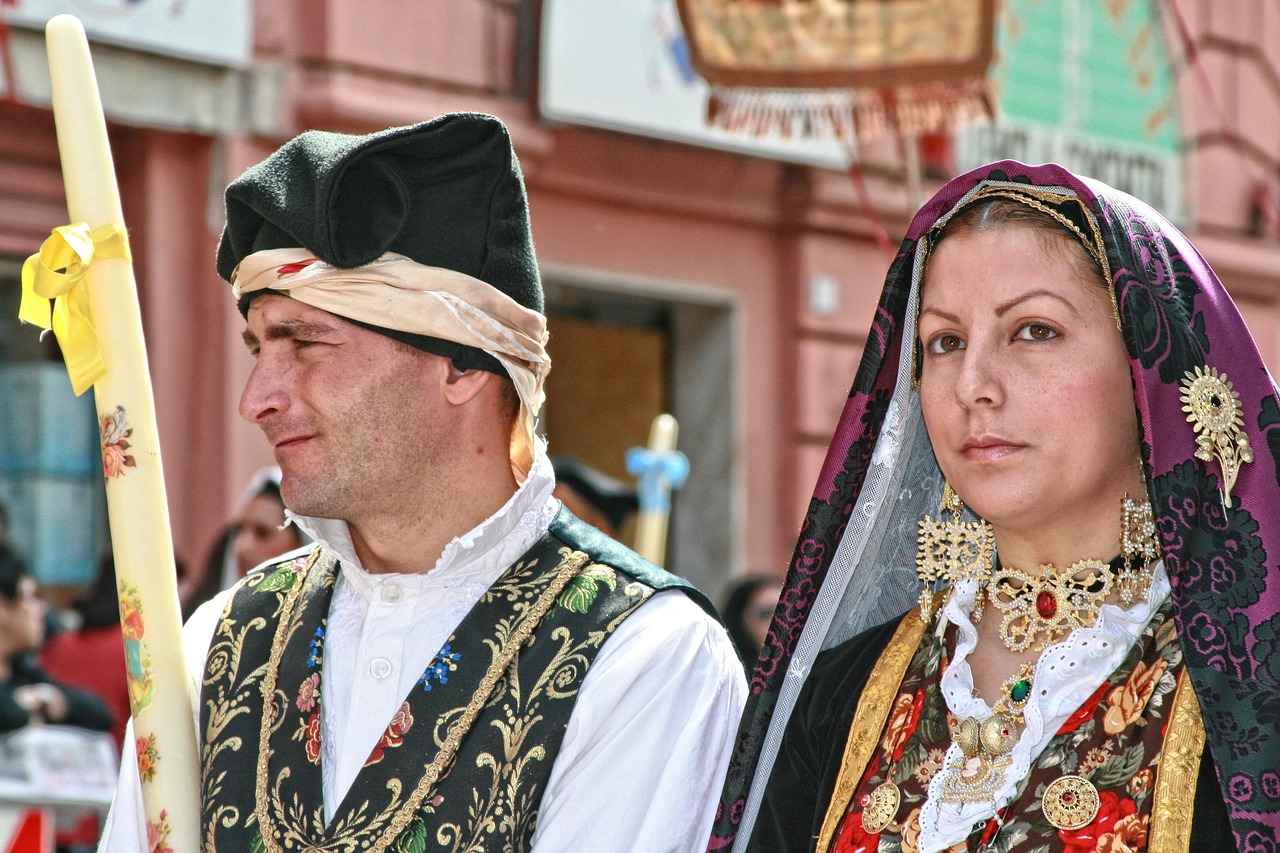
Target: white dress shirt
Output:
{"points": [[647, 743]]}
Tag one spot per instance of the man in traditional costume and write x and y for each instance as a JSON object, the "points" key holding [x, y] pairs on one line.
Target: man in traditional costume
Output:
{"points": [[458, 663]]}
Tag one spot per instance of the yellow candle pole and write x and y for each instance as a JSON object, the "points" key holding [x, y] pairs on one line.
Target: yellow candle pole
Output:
{"points": [[160, 690]]}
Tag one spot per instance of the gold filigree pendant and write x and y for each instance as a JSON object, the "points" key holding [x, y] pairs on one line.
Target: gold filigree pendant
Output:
{"points": [[1070, 802], [974, 779], [880, 807], [1213, 409]]}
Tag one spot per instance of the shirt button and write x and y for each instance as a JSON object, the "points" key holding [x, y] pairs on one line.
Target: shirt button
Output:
{"points": [[380, 668], [392, 594]]}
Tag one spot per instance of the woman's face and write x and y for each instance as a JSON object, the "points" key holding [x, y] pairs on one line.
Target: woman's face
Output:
{"points": [[258, 535], [1026, 391]]}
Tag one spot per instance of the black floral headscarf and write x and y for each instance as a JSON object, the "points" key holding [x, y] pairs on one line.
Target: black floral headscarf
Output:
{"points": [[1197, 378]]}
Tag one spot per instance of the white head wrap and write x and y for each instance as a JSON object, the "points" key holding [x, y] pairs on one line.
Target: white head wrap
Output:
{"points": [[396, 292]]}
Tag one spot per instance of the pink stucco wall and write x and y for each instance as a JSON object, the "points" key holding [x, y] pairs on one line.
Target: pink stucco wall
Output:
{"points": [[613, 203], [606, 201]]}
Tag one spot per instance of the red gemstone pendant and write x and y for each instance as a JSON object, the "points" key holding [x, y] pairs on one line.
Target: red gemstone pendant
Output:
{"points": [[1047, 604]]}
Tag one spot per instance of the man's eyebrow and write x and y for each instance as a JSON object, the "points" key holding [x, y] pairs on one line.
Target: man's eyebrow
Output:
{"points": [[287, 329]]}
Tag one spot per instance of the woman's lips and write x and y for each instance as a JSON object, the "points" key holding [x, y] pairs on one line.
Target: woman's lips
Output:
{"points": [[989, 449]]}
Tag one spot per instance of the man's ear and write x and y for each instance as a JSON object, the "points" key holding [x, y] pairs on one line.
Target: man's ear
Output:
{"points": [[461, 386]]}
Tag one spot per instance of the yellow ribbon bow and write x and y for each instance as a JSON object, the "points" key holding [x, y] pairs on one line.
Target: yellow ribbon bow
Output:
{"points": [[57, 273]]}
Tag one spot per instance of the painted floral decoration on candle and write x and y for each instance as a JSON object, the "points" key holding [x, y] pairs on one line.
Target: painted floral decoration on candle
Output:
{"points": [[137, 661], [148, 757], [115, 429]]}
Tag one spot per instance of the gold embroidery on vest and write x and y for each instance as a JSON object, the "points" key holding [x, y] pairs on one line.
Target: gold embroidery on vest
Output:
{"points": [[1173, 797], [399, 813], [868, 721], [222, 665]]}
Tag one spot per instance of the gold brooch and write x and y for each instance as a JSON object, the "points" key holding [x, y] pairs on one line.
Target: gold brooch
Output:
{"points": [[880, 807], [1070, 802], [1213, 409]]}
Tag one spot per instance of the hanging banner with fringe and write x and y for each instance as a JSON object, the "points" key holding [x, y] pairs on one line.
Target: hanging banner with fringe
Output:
{"points": [[842, 68]]}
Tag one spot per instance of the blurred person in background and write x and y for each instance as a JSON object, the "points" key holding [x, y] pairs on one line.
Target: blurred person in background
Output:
{"points": [[748, 609], [27, 694], [257, 533], [593, 496]]}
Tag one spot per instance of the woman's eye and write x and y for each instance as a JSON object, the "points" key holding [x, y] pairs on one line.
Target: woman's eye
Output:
{"points": [[945, 343], [1036, 332]]}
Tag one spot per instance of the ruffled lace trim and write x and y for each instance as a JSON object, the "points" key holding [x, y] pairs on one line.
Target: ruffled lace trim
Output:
{"points": [[1066, 674]]}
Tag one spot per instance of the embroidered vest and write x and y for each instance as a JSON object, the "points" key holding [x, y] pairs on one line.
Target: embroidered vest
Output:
{"points": [[1143, 713], [465, 760]]}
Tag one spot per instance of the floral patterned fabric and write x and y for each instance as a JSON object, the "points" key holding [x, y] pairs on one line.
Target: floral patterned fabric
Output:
{"points": [[261, 774], [1114, 740], [1223, 563]]}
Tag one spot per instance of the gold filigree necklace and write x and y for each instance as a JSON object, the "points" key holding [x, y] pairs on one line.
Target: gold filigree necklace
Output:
{"points": [[1041, 609]]}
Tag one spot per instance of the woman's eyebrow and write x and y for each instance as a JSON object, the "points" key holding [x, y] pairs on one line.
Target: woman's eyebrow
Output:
{"points": [[1006, 307]]}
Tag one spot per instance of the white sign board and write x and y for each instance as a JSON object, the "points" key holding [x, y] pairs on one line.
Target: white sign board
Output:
{"points": [[624, 65], [217, 32]]}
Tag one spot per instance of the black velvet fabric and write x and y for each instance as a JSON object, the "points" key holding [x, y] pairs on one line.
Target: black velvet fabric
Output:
{"points": [[446, 192], [804, 775]]}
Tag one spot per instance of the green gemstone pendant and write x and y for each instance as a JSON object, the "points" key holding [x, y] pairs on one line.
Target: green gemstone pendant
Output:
{"points": [[1020, 691]]}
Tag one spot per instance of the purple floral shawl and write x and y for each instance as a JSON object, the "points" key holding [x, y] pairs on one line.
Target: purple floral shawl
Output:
{"points": [[1224, 565]]}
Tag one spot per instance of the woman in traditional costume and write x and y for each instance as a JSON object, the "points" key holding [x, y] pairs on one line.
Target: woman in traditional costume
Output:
{"points": [[1034, 602]]}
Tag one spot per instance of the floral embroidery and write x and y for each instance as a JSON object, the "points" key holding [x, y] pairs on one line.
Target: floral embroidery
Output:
{"points": [[581, 592], [115, 429], [485, 798], [445, 662], [1140, 785], [315, 653], [394, 735], [931, 765], [309, 693], [283, 578], [902, 724], [137, 659], [310, 732], [911, 832], [1120, 764], [1130, 835], [158, 834], [148, 756], [1127, 701]]}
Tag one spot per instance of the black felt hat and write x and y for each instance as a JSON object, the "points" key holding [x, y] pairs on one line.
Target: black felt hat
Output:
{"points": [[613, 498], [446, 193]]}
